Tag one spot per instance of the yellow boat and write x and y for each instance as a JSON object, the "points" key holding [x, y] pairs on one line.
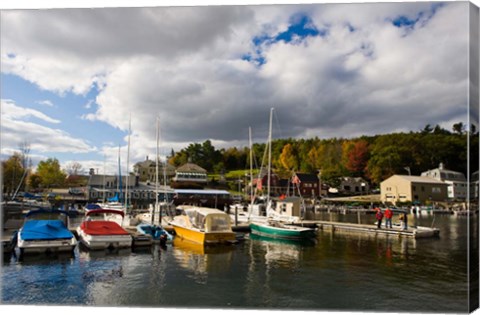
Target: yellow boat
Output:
{"points": [[204, 226]]}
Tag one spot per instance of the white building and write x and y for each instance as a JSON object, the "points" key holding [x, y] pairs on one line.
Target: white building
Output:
{"points": [[457, 183]]}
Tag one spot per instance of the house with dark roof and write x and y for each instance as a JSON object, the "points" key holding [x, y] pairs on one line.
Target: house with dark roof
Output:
{"points": [[189, 175], [308, 185]]}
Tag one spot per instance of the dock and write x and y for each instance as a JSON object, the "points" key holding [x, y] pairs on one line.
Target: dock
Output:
{"points": [[412, 232]]}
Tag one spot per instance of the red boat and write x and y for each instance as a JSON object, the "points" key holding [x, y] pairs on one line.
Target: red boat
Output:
{"points": [[97, 232]]}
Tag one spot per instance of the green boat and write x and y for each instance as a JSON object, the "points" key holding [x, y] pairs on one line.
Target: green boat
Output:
{"points": [[282, 231]]}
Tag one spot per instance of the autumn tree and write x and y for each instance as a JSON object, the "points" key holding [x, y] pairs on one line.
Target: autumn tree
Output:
{"points": [[288, 157], [357, 157]]}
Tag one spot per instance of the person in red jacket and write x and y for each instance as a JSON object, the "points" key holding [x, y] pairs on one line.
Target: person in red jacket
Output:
{"points": [[379, 217], [388, 218]]}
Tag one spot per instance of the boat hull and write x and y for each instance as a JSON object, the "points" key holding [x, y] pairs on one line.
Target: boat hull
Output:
{"points": [[45, 246], [292, 233], [101, 242], [205, 238]]}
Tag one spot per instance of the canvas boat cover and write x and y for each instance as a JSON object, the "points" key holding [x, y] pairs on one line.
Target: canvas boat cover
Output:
{"points": [[44, 230], [102, 228]]}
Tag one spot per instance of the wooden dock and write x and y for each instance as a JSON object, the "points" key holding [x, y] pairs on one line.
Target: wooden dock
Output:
{"points": [[413, 232]]}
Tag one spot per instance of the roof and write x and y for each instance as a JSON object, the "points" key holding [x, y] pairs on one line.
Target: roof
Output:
{"points": [[419, 179], [205, 211], [191, 168], [307, 177]]}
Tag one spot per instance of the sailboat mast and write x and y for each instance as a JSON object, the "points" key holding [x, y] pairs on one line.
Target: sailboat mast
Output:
{"points": [[156, 175], [128, 162], [104, 171], [251, 165], [269, 155]]}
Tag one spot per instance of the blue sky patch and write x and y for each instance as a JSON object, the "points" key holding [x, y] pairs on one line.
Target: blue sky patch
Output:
{"points": [[301, 26]]}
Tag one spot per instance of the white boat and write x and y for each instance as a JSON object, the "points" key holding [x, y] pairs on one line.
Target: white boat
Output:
{"points": [[43, 231], [100, 233]]}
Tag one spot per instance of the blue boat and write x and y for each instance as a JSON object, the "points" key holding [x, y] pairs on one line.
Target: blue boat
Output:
{"points": [[44, 232], [157, 232]]}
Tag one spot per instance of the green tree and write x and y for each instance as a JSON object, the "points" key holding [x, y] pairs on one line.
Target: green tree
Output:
{"points": [[50, 173], [13, 173]]}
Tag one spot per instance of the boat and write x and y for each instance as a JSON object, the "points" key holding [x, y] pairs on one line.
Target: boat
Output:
{"points": [[45, 234], [97, 234], [274, 226], [204, 226], [157, 233], [278, 230]]}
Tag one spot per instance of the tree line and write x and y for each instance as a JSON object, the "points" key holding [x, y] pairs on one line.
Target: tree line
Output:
{"points": [[372, 157]]}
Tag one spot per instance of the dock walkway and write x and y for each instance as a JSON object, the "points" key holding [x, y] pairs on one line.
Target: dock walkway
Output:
{"points": [[415, 232]]}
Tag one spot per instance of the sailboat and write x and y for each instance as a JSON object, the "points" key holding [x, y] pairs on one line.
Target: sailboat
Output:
{"points": [[274, 227], [157, 232]]}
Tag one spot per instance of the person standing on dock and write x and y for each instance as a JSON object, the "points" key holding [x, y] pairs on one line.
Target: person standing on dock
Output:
{"points": [[388, 218], [379, 217]]}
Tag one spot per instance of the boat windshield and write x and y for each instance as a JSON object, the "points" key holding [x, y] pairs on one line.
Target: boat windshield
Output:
{"points": [[218, 223]]}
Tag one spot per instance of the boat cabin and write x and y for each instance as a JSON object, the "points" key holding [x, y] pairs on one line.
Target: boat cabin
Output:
{"points": [[288, 206], [208, 220]]}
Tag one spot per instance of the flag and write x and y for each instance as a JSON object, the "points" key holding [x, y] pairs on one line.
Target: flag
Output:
{"points": [[296, 180]]}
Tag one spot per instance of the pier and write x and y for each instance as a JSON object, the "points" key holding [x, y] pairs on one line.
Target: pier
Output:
{"points": [[413, 232]]}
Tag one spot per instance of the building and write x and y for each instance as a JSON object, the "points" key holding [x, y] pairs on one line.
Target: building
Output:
{"points": [[474, 186], [189, 175], [261, 184], [353, 186], [457, 183], [102, 187], [419, 189], [307, 184], [146, 171]]}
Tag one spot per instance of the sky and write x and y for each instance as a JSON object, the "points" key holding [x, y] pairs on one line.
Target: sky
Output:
{"points": [[78, 83]]}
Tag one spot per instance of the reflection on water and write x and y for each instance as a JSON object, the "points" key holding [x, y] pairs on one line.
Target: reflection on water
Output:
{"points": [[374, 272]]}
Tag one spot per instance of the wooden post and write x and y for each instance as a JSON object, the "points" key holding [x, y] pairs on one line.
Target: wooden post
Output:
{"points": [[358, 217], [236, 216]]}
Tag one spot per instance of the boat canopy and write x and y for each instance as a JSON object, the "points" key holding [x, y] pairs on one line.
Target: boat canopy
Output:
{"points": [[44, 230], [102, 211], [209, 220], [102, 228]]}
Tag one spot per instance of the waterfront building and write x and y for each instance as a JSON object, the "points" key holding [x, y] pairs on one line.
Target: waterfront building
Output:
{"points": [[353, 186], [261, 183], [140, 195], [189, 175], [457, 183], [474, 186], [146, 171], [419, 189], [308, 185]]}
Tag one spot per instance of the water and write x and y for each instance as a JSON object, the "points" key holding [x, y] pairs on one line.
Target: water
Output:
{"points": [[345, 272]]}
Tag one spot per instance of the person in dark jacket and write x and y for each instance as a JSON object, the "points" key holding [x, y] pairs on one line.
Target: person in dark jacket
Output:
{"points": [[379, 216]]}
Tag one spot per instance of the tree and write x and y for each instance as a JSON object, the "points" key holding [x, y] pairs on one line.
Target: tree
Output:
{"points": [[288, 158], [458, 128], [50, 173], [357, 158], [13, 174], [73, 168]]}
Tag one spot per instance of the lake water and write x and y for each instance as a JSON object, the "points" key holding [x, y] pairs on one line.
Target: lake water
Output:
{"points": [[337, 271]]}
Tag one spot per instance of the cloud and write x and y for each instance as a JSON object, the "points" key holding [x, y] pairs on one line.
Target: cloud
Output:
{"points": [[362, 69], [46, 103], [16, 130], [11, 111]]}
